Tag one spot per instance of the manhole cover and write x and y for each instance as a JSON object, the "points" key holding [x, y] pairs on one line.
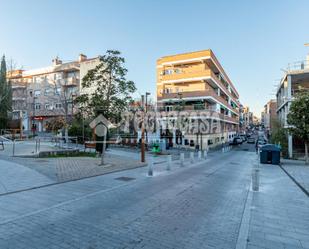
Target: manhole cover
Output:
{"points": [[124, 178]]}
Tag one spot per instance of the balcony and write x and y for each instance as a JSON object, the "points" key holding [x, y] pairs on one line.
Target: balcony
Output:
{"points": [[194, 95], [183, 76], [210, 113], [197, 75], [69, 82]]}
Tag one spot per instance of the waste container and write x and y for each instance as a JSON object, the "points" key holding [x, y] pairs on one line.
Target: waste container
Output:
{"points": [[270, 154]]}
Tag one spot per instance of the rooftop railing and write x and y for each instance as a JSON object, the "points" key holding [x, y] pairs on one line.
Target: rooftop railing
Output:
{"points": [[299, 65]]}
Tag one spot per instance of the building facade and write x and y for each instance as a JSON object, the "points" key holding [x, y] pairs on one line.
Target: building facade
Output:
{"points": [[43, 94], [295, 80], [247, 117], [195, 82], [270, 116]]}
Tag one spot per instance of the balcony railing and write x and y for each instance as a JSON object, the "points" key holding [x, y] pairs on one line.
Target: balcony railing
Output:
{"points": [[299, 65], [196, 74], [204, 93], [211, 112], [182, 75]]}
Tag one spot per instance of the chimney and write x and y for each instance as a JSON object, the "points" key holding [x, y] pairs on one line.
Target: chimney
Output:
{"points": [[56, 61], [82, 57]]}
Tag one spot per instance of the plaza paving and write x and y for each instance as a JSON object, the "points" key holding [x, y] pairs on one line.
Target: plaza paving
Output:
{"points": [[202, 205]]}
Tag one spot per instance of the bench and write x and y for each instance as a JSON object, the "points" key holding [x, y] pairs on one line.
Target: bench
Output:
{"points": [[89, 145]]}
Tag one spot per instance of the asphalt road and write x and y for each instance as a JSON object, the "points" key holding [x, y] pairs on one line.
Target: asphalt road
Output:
{"points": [[198, 206]]}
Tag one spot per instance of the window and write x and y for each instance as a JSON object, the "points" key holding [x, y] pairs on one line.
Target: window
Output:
{"points": [[167, 71], [168, 108], [58, 91], [37, 106], [167, 90], [58, 105], [37, 93], [47, 91], [177, 70], [47, 106]]}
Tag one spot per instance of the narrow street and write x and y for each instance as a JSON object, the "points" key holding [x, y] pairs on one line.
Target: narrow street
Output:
{"points": [[199, 206]]}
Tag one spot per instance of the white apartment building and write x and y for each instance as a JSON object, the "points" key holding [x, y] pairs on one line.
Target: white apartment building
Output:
{"points": [[39, 95], [295, 80]]}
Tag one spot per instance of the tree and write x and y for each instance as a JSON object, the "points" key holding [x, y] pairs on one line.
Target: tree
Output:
{"points": [[110, 90], [279, 136], [5, 95], [298, 118], [55, 124]]}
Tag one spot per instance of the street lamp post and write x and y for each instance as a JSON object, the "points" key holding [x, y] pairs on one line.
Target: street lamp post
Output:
{"points": [[143, 133], [33, 117], [146, 95], [179, 107]]}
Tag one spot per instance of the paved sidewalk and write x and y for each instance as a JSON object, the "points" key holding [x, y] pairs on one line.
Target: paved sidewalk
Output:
{"points": [[15, 177], [298, 170], [196, 206], [279, 212]]}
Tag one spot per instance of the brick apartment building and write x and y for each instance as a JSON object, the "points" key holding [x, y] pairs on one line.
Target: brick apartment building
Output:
{"points": [[195, 82]]}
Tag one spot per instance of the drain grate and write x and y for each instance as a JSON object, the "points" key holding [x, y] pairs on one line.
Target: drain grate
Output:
{"points": [[41, 161], [125, 178]]}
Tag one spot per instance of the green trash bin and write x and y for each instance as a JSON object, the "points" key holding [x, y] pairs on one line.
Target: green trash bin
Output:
{"points": [[270, 154]]}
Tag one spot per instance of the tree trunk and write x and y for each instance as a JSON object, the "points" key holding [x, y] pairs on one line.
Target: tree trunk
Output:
{"points": [[306, 153], [66, 135]]}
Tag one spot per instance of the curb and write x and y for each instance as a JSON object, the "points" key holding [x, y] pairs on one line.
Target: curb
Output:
{"points": [[305, 191]]}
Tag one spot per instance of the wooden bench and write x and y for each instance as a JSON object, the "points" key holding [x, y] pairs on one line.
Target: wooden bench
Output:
{"points": [[89, 145]]}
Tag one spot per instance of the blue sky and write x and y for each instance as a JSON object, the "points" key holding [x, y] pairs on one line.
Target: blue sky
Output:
{"points": [[253, 40]]}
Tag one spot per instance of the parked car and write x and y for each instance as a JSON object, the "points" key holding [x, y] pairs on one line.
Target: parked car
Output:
{"points": [[250, 140], [236, 141], [243, 137]]}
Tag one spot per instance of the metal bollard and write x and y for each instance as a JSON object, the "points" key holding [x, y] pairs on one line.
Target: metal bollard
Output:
{"points": [[199, 155], [169, 162], [182, 159], [191, 157], [222, 149], [150, 167], [255, 179], [14, 147], [205, 154], [39, 146]]}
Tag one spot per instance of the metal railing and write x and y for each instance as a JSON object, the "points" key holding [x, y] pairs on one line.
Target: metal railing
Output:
{"points": [[299, 65]]}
